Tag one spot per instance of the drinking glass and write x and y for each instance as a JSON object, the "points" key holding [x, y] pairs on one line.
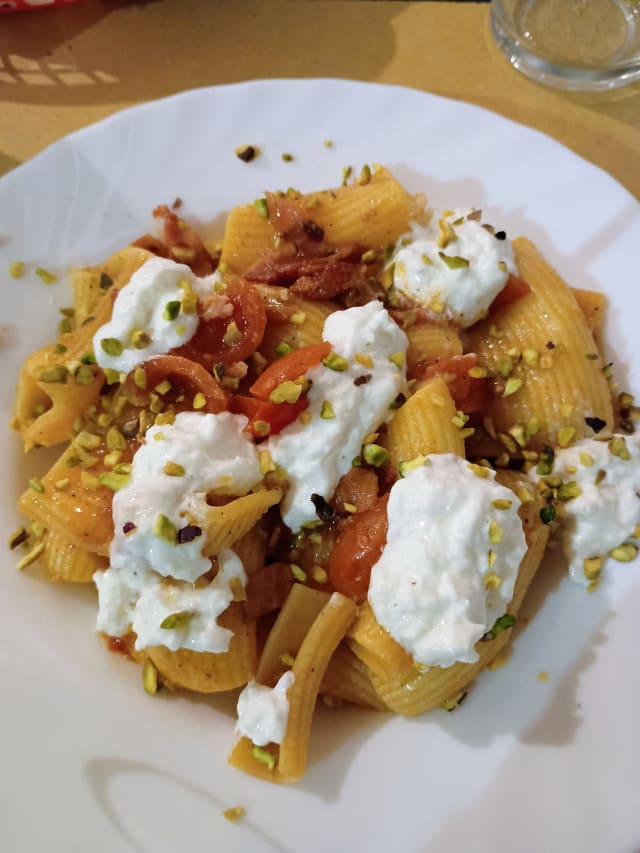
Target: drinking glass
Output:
{"points": [[582, 45]]}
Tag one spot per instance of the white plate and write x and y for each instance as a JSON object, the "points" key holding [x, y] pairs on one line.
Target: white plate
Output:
{"points": [[89, 761]]}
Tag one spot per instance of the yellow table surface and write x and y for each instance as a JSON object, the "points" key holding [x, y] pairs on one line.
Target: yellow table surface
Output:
{"points": [[61, 69]]}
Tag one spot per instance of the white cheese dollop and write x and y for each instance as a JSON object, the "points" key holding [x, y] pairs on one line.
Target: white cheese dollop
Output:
{"points": [[428, 588], [141, 306], [263, 712], [216, 455], [605, 513], [142, 599], [317, 454], [462, 294]]}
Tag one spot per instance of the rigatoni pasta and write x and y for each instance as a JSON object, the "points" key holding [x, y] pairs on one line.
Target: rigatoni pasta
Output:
{"points": [[263, 458]]}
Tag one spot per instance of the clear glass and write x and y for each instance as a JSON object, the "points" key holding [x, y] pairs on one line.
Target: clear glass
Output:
{"points": [[582, 45]]}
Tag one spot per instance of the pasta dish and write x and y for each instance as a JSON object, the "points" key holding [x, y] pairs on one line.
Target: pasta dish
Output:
{"points": [[324, 456]]}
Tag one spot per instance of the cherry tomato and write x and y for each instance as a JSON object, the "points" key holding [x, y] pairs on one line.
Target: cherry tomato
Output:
{"points": [[469, 394], [289, 367], [191, 376], [208, 345], [259, 412], [358, 548]]}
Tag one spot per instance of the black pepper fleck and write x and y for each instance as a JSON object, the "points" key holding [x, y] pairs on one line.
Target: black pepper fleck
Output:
{"points": [[596, 424]]}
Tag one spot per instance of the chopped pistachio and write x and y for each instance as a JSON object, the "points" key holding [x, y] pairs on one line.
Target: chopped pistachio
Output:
{"points": [[35, 484], [267, 465], [89, 481], [618, 447], [335, 362], [171, 310], [568, 491], [232, 335], [565, 436], [112, 376], [261, 207], [298, 573], [45, 276], [113, 481], [405, 467], [365, 174], [530, 357], [501, 504], [175, 621], [346, 174], [505, 366], [165, 529], [374, 454], [495, 532], [479, 470], [624, 553], [140, 339], [513, 384], [459, 419], [492, 580], [478, 372], [199, 400], [592, 566], [149, 678], [503, 623], [87, 440], [59, 373], [115, 439], [112, 346], [298, 317], [363, 359], [398, 359], [261, 427], [263, 756], [491, 558], [16, 269], [327, 412], [286, 392], [446, 234], [236, 812], [172, 469], [454, 262], [31, 556], [283, 348], [304, 417]]}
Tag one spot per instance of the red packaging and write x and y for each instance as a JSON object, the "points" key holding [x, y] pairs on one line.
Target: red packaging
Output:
{"points": [[29, 5]]}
